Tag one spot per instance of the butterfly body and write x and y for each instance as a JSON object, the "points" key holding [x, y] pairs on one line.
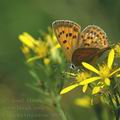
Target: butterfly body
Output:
{"points": [[80, 46]]}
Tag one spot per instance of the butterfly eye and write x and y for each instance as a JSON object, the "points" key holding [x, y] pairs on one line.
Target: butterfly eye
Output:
{"points": [[72, 66]]}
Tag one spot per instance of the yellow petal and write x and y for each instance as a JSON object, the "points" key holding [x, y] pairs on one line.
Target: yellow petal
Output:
{"points": [[84, 102], [96, 90], [117, 70], [90, 67], [110, 58], [89, 80], [69, 88], [107, 81], [56, 47], [27, 39], [118, 75], [25, 50], [46, 61], [84, 88]]}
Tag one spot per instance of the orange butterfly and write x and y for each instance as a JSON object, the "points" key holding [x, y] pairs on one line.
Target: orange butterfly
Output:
{"points": [[80, 46]]}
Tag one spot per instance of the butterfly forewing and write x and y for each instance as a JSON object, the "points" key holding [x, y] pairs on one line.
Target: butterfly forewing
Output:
{"points": [[67, 33], [94, 37]]}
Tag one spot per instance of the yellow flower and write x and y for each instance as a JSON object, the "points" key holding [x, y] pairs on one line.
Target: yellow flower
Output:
{"points": [[51, 38], [27, 40], [25, 50], [118, 75], [53, 45], [54, 53], [56, 47], [104, 73], [40, 48], [83, 102], [97, 88], [46, 61], [80, 77], [117, 49]]}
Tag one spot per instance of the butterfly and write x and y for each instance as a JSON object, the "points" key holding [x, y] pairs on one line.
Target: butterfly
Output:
{"points": [[80, 45]]}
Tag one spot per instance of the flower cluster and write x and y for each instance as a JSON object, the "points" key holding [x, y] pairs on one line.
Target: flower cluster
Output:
{"points": [[102, 80], [44, 49], [97, 79], [42, 55]]}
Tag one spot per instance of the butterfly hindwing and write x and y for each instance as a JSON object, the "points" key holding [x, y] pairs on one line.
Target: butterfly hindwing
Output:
{"points": [[67, 33], [84, 54], [87, 55]]}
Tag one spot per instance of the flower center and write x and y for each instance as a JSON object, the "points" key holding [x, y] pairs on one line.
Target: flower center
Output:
{"points": [[104, 71], [82, 76]]}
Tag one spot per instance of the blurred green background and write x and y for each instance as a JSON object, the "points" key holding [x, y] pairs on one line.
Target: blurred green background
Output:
{"points": [[32, 16]]}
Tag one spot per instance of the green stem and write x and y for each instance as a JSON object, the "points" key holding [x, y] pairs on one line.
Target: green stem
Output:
{"points": [[116, 104], [98, 111], [60, 111], [117, 111], [57, 105]]}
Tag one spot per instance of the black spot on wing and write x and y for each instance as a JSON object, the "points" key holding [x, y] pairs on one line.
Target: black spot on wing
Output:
{"points": [[67, 48], [60, 33], [88, 37], [64, 41], [67, 35], [74, 36], [76, 29], [58, 36], [87, 44], [70, 34]]}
